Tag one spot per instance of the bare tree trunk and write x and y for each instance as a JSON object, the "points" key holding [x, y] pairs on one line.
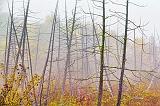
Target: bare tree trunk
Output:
{"points": [[6, 46], [109, 85], [67, 64], [82, 45], [141, 64], [77, 65], [95, 42], [58, 56], [100, 92], [67, 33], [135, 59], [50, 49], [51, 60], [117, 44], [95, 58], [31, 69], [37, 51], [154, 61], [86, 48], [9, 45], [120, 89]]}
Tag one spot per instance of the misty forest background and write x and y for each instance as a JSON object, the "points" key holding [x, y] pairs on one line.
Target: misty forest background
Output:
{"points": [[82, 46]]}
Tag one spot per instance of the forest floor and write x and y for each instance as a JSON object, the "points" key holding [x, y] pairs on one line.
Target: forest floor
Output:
{"points": [[135, 95]]}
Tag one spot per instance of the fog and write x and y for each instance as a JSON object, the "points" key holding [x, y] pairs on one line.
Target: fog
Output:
{"points": [[81, 44]]}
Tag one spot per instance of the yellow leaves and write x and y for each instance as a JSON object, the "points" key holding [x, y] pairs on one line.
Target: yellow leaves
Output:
{"points": [[12, 98], [27, 97], [12, 93]]}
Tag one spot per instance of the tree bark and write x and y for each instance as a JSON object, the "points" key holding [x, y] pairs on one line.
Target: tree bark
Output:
{"points": [[100, 93], [123, 59]]}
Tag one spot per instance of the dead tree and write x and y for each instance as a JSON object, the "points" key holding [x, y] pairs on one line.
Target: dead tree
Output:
{"points": [[100, 92], [37, 50], [69, 42], [31, 70], [95, 43], [49, 55], [58, 55], [9, 43], [120, 89], [86, 47], [52, 48], [109, 85], [154, 60], [6, 46]]}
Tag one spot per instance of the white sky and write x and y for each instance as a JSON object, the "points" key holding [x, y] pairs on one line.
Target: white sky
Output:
{"points": [[149, 13]]}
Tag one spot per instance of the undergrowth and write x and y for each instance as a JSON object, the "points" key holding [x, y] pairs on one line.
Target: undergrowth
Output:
{"points": [[19, 91]]}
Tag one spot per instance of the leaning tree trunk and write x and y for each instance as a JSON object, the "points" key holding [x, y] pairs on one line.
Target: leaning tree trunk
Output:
{"points": [[123, 59]]}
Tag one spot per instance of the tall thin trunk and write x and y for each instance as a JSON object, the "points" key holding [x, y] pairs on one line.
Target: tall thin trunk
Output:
{"points": [[109, 85], [31, 69], [67, 64], [86, 47], [100, 92], [37, 51], [94, 49], [95, 42], [58, 55], [82, 45], [50, 49], [6, 45], [9, 45], [77, 65], [67, 33], [120, 89], [117, 44], [51, 61], [135, 59], [154, 61], [141, 64]]}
